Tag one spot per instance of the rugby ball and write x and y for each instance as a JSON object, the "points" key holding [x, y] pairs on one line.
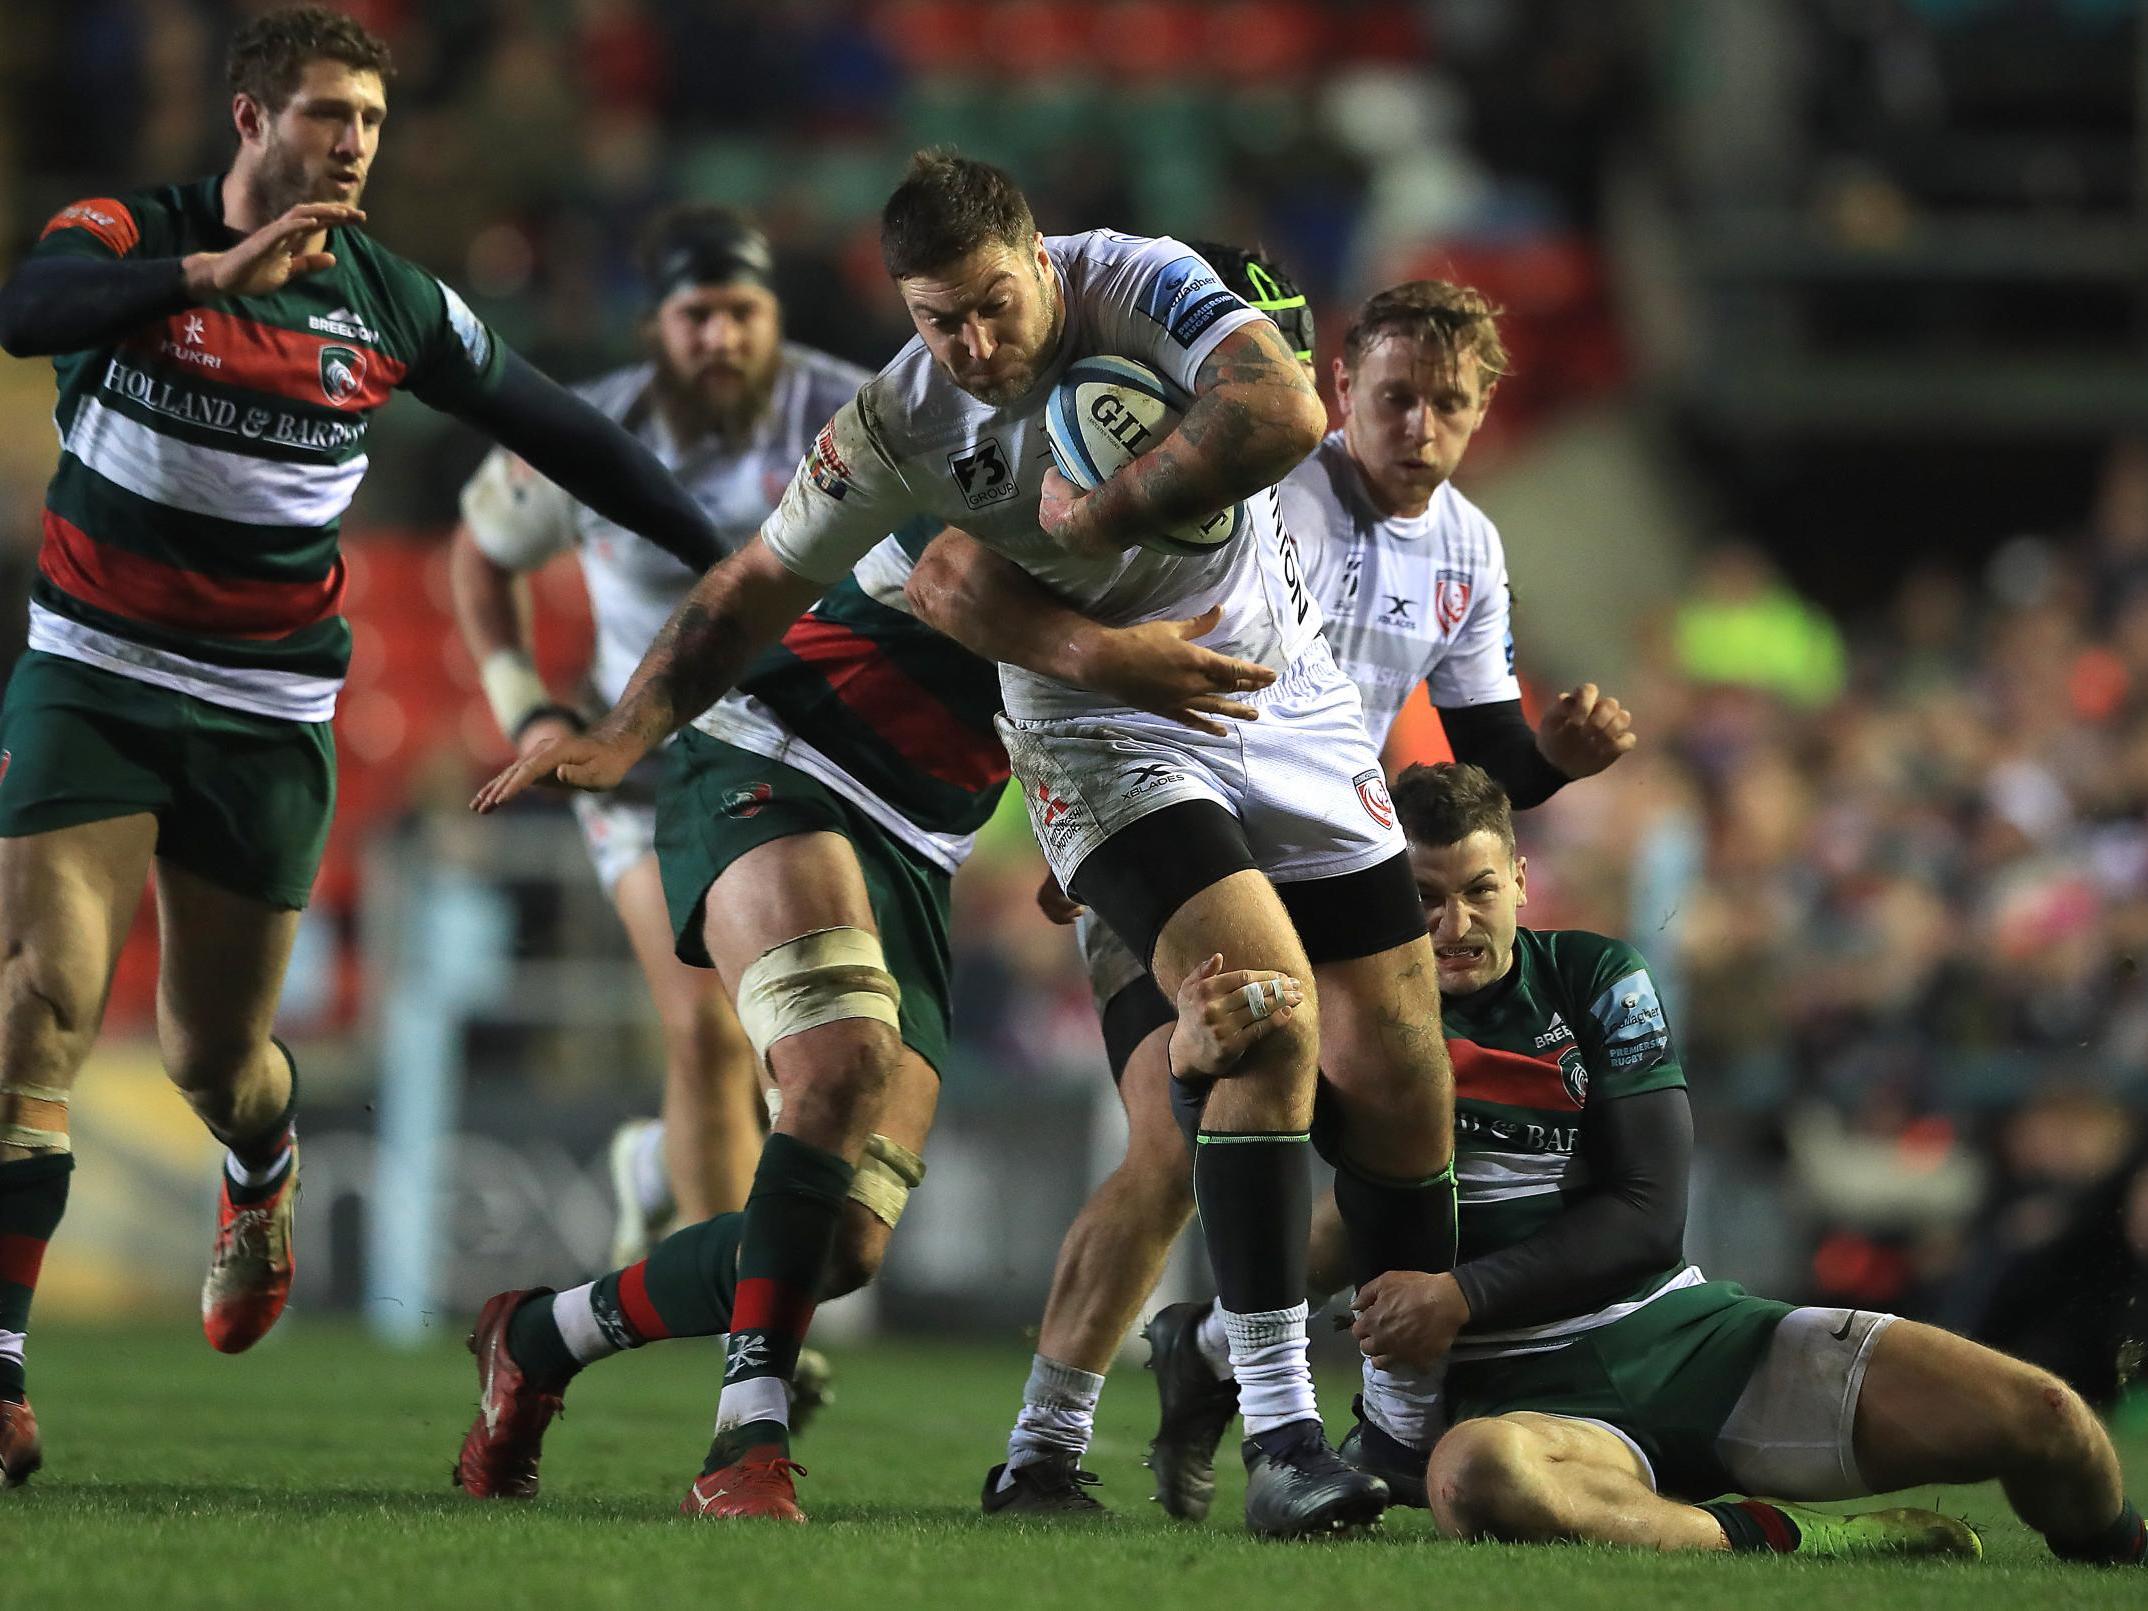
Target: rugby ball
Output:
{"points": [[1106, 412]]}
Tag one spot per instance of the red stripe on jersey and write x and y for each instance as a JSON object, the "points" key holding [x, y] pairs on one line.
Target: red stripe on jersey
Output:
{"points": [[157, 594], [108, 220], [895, 705], [634, 1303], [765, 1305], [1513, 1079], [21, 1257], [268, 358]]}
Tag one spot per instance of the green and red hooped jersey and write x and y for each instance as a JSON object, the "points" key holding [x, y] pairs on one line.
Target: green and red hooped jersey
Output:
{"points": [[191, 529], [1576, 1022]]}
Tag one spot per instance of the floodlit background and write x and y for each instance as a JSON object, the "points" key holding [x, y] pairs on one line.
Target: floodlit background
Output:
{"points": [[1826, 450]]}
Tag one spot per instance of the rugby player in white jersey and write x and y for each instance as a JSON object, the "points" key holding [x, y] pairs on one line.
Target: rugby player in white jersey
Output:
{"points": [[730, 408], [1411, 579], [1273, 843]]}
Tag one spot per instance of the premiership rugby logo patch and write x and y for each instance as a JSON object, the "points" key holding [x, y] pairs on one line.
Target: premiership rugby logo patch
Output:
{"points": [[342, 374]]}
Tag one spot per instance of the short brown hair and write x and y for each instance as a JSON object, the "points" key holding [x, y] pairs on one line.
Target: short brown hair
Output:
{"points": [[948, 206], [269, 54], [1445, 803], [1454, 318]]}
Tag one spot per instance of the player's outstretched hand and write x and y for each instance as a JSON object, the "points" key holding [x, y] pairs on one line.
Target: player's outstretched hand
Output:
{"points": [[1408, 1319], [580, 761], [1055, 903], [1221, 1015], [269, 258], [1157, 667], [1584, 731]]}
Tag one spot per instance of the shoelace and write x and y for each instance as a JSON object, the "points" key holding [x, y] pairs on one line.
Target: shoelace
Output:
{"points": [[247, 1236], [1062, 1478]]}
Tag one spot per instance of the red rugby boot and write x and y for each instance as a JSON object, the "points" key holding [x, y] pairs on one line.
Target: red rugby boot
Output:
{"points": [[250, 1270], [499, 1453], [21, 1450], [757, 1484]]}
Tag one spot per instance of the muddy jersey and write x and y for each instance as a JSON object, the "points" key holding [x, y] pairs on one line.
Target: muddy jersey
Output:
{"points": [[520, 519], [191, 531], [912, 444], [1575, 1023], [1407, 599]]}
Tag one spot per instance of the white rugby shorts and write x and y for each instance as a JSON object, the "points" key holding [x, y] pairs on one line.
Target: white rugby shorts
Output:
{"points": [[1303, 780]]}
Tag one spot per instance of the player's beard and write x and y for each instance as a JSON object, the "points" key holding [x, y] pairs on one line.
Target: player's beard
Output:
{"points": [[1019, 385], [280, 182], [695, 410]]}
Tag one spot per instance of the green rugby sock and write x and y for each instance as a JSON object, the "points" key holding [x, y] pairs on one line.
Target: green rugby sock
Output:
{"points": [[1754, 1525], [2123, 1543], [790, 1225], [33, 1195]]}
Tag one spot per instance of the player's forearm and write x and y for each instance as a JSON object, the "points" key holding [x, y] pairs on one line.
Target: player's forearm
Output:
{"points": [[738, 609], [998, 611], [490, 601], [69, 304], [1498, 738], [1254, 418], [567, 441]]}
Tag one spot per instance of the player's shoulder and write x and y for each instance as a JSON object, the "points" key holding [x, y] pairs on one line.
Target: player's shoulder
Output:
{"points": [[1596, 970], [828, 381], [907, 405], [1465, 531], [1326, 479], [157, 220]]}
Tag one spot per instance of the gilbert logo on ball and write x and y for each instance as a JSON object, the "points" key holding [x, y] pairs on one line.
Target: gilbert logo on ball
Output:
{"points": [[1105, 413]]}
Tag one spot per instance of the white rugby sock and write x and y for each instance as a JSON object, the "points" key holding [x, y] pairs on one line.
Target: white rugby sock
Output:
{"points": [[757, 1398], [576, 1317], [268, 1174], [1405, 1404], [1275, 1379], [1058, 1414], [1214, 1342], [652, 1180]]}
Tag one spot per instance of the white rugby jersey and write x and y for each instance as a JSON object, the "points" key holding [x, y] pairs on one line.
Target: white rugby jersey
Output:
{"points": [[1407, 599], [520, 519], [912, 444]]}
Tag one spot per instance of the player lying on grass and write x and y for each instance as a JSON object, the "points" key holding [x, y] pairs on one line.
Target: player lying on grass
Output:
{"points": [[1411, 581], [220, 347], [1600, 1389], [1273, 837]]}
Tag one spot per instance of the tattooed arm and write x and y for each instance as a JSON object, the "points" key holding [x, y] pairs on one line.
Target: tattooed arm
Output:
{"points": [[737, 609], [1254, 417]]}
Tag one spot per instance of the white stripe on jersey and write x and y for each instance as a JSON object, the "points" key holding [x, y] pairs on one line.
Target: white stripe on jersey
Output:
{"points": [[1496, 1177], [749, 724], [210, 481], [1407, 599], [285, 695], [1555, 1334]]}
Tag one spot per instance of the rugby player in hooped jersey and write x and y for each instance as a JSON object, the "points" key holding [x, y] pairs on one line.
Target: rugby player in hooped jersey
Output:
{"points": [[1412, 584], [1275, 844], [220, 347], [1602, 1390]]}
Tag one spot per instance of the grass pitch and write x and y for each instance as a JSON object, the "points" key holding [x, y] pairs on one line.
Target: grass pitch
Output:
{"points": [[314, 1473]]}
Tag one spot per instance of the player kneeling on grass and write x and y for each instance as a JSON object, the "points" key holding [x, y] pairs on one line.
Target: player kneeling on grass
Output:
{"points": [[1599, 1389]]}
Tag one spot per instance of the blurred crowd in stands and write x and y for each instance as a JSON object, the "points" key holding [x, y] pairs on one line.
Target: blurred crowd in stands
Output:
{"points": [[1892, 869]]}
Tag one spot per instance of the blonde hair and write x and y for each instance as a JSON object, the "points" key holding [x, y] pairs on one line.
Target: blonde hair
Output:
{"points": [[1453, 318]]}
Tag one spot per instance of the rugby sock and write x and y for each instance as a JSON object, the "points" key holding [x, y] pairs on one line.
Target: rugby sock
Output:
{"points": [[652, 1181], [1396, 1224], [2123, 1543], [1751, 1524], [1058, 1414], [1214, 1342], [790, 1223], [255, 1166], [1404, 1404], [1255, 1195], [684, 1288], [33, 1194]]}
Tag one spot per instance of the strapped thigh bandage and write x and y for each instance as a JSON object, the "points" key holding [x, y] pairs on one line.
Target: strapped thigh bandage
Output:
{"points": [[27, 1136], [816, 979], [886, 1176]]}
